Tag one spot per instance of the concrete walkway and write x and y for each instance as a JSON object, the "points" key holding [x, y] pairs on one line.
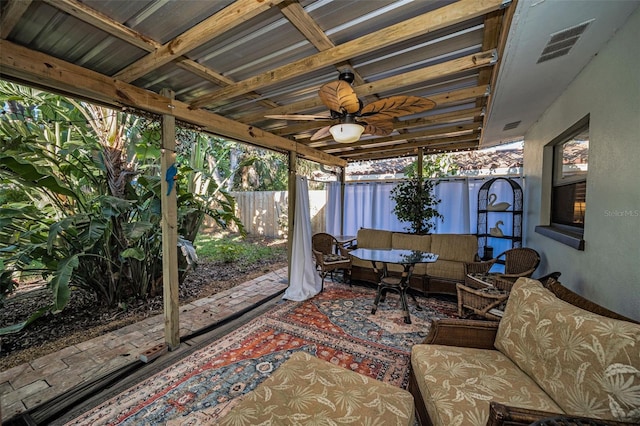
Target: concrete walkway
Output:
{"points": [[31, 384]]}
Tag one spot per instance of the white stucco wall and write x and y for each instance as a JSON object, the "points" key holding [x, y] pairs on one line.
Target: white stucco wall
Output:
{"points": [[608, 270]]}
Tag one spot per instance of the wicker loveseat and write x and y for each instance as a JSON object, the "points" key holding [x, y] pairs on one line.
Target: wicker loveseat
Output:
{"points": [[453, 250], [545, 358]]}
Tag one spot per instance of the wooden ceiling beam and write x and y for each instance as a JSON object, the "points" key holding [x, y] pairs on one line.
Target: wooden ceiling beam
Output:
{"points": [[491, 36], [329, 146], [444, 69], [299, 18], [102, 22], [217, 24], [126, 34], [36, 68], [466, 63], [505, 24], [443, 118], [11, 14], [452, 143], [437, 19]]}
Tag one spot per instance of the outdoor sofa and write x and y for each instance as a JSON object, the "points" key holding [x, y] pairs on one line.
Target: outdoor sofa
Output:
{"points": [[553, 354], [453, 250]]}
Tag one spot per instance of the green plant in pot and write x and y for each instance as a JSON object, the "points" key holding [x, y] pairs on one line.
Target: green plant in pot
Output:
{"points": [[416, 204]]}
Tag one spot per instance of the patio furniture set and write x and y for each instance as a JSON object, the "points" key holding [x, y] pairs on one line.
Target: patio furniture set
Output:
{"points": [[438, 263], [519, 368]]}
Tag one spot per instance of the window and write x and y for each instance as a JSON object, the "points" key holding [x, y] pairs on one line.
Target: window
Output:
{"points": [[569, 185], [569, 193]]}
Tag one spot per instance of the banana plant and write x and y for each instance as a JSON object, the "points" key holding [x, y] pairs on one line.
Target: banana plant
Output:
{"points": [[88, 211]]}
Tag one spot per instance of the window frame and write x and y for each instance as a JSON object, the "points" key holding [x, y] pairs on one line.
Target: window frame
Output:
{"points": [[571, 235]]}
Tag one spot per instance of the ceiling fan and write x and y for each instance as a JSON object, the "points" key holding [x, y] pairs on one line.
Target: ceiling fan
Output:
{"points": [[352, 118]]}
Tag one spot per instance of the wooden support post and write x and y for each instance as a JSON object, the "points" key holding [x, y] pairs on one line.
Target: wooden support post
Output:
{"points": [[419, 164], [169, 228], [291, 210], [342, 176]]}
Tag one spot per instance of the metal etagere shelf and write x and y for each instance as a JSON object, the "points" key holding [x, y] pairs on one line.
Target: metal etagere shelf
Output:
{"points": [[489, 212]]}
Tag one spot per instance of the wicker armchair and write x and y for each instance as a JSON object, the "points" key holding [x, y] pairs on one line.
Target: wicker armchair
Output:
{"points": [[485, 293], [330, 256], [518, 262], [489, 300]]}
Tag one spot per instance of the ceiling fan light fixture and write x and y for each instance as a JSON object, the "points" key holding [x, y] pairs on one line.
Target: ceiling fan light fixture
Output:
{"points": [[346, 132]]}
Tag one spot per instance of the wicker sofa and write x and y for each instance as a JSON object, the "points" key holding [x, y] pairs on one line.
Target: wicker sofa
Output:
{"points": [[546, 358], [454, 251]]}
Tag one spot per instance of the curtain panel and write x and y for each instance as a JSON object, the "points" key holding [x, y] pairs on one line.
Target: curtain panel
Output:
{"points": [[369, 205]]}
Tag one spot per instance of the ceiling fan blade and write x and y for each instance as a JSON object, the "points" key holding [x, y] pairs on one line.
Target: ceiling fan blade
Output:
{"points": [[397, 106], [378, 127], [301, 117], [320, 134], [339, 96]]}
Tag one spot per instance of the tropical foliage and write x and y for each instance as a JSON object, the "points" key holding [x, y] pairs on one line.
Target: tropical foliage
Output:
{"points": [[80, 190]]}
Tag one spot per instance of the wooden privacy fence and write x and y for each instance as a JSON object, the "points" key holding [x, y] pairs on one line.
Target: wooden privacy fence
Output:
{"points": [[265, 213]]}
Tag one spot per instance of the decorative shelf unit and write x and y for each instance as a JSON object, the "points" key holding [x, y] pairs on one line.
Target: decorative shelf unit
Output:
{"points": [[492, 214]]}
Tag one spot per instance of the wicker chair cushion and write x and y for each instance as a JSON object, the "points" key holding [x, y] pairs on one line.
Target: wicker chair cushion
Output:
{"points": [[588, 364], [307, 390], [458, 383], [330, 259]]}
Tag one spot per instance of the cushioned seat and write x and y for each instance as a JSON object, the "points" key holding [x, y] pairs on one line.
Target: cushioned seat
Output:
{"points": [[308, 390], [459, 383]]}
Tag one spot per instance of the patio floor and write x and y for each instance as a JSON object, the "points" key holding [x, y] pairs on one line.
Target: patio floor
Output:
{"points": [[29, 385]]}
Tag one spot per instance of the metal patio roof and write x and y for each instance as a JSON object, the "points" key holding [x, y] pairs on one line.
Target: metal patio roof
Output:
{"points": [[229, 63]]}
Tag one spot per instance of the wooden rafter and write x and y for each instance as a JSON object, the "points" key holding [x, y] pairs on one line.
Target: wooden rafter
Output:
{"points": [[431, 21], [11, 15], [442, 118], [229, 17], [20, 63], [473, 32], [466, 63], [455, 142], [391, 140], [86, 14]]}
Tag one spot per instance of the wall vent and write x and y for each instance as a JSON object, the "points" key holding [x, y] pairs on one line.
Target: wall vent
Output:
{"points": [[560, 43], [513, 125]]}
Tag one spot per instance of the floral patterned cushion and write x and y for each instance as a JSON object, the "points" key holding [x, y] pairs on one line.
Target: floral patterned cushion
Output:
{"points": [[588, 364], [458, 383], [308, 391]]}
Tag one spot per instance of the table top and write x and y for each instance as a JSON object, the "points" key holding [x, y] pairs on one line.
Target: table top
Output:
{"points": [[394, 256]]}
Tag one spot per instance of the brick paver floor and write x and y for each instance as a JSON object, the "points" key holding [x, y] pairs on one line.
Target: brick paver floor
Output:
{"points": [[31, 384]]}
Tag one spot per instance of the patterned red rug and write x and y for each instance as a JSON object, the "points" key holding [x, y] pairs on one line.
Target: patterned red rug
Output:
{"points": [[336, 326]]}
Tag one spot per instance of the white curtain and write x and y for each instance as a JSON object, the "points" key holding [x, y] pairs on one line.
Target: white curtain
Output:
{"points": [[369, 205], [334, 209], [304, 280], [454, 206]]}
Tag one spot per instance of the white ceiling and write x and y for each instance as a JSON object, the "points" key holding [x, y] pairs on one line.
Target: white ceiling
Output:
{"points": [[525, 89]]}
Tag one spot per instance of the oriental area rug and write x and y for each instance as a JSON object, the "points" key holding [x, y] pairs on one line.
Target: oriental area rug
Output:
{"points": [[336, 326]]}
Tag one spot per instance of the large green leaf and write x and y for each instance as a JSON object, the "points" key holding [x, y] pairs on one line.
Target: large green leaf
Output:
{"points": [[60, 282], [114, 206], [14, 328], [135, 253], [33, 176], [135, 230]]}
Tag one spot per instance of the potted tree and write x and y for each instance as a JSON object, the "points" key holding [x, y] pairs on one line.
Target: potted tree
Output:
{"points": [[415, 198], [416, 204]]}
